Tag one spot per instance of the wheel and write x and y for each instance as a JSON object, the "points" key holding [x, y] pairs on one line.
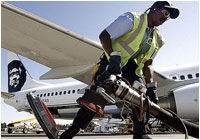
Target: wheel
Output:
{"points": [[151, 131], [38, 132], [25, 130], [10, 131]]}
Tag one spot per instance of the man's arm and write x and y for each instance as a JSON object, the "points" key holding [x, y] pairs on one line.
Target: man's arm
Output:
{"points": [[148, 71], [122, 25], [114, 66], [106, 41], [151, 86]]}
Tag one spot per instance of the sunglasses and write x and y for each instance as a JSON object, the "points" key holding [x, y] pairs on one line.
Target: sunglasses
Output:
{"points": [[166, 14]]}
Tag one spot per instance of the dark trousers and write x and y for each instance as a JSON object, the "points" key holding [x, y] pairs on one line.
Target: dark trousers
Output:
{"points": [[128, 72], [84, 116]]}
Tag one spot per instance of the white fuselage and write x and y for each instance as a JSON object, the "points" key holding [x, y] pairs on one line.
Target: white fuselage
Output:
{"points": [[61, 98], [185, 72]]}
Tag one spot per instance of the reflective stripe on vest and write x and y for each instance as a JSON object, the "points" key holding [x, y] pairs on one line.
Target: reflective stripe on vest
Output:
{"points": [[129, 43], [159, 40], [137, 31], [125, 46], [149, 54], [125, 43]]}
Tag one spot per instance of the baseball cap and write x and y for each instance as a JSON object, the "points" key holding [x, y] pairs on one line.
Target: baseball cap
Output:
{"points": [[174, 12]]}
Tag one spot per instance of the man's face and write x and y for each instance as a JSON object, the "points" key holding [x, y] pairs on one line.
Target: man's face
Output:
{"points": [[160, 16]]}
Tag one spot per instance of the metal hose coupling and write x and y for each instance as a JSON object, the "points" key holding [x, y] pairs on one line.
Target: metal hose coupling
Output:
{"points": [[103, 93], [125, 92]]}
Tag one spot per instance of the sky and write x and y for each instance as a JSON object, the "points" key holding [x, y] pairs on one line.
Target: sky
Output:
{"points": [[89, 18]]}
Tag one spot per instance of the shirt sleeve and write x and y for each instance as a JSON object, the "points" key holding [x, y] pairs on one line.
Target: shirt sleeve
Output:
{"points": [[122, 25]]}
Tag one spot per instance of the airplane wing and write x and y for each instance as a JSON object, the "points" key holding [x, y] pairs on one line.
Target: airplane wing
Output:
{"points": [[165, 85], [161, 79], [66, 53], [6, 95]]}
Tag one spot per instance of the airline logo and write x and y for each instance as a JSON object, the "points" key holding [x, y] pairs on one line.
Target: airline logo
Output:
{"points": [[16, 76]]}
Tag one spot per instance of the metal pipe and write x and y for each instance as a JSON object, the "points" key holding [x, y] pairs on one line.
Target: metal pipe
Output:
{"points": [[133, 97]]}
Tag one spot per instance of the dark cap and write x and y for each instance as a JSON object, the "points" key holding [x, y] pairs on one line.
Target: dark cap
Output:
{"points": [[174, 12]]}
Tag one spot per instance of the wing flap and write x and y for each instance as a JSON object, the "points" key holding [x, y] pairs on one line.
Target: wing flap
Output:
{"points": [[7, 95], [66, 72]]}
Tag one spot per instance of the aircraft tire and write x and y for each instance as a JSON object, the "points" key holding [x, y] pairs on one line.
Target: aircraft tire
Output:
{"points": [[38, 132], [10, 131], [25, 130]]}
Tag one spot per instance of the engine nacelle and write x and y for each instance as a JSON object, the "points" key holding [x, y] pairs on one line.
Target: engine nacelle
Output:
{"points": [[184, 101]]}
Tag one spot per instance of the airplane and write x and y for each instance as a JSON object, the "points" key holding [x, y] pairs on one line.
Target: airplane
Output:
{"points": [[48, 47], [61, 98]]}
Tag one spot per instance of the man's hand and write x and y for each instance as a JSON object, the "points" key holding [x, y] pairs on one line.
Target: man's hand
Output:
{"points": [[114, 66], [152, 92]]}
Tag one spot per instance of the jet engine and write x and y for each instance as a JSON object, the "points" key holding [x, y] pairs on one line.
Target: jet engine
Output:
{"points": [[184, 101]]}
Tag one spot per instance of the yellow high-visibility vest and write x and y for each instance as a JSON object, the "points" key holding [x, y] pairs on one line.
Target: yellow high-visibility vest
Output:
{"points": [[129, 43]]}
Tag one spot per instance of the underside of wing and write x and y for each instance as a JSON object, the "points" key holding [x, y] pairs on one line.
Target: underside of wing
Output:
{"points": [[66, 53], [162, 80]]}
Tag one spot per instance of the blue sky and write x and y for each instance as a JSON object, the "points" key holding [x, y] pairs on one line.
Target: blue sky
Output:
{"points": [[89, 18]]}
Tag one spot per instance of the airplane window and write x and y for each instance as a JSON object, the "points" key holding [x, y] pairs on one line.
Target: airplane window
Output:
{"points": [[189, 76], [78, 89], [40, 95], [56, 93], [45, 95], [69, 91], [60, 92], [52, 94], [182, 77], [73, 91], [48, 94], [64, 92], [174, 77], [197, 75]]}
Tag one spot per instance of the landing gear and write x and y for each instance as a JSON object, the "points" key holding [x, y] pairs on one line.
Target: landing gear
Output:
{"points": [[10, 131], [25, 130]]}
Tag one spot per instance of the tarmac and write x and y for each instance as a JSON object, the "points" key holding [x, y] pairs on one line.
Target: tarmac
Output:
{"points": [[95, 136]]}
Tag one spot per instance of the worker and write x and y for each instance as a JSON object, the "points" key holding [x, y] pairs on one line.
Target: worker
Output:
{"points": [[130, 44]]}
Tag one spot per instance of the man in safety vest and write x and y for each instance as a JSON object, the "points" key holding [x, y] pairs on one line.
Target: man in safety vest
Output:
{"points": [[130, 44]]}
